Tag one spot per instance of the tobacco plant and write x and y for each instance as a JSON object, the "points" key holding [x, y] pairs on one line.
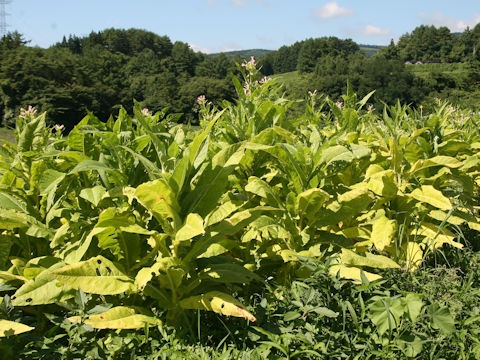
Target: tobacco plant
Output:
{"points": [[158, 218]]}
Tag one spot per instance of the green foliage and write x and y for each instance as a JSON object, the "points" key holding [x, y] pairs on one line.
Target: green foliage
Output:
{"points": [[104, 70], [139, 222]]}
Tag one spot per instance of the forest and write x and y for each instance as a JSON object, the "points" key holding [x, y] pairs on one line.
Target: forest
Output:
{"points": [[108, 69]]}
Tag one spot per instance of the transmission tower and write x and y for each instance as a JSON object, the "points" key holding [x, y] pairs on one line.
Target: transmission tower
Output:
{"points": [[3, 17]]}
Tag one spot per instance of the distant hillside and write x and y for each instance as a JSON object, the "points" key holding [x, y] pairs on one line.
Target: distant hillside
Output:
{"points": [[247, 53], [370, 50]]}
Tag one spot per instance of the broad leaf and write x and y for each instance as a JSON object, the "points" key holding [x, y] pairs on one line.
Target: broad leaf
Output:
{"points": [[383, 232], [230, 273], [97, 275], [192, 227], [120, 317], [349, 257], [432, 196], [218, 302], [44, 289], [93, 195], [9, 328]]}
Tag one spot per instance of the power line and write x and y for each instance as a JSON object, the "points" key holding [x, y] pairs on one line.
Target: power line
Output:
{"points": [[3, 17]]}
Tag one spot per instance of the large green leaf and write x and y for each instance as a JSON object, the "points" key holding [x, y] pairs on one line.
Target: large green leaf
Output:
{"points": [[9, 328], [8, 201], [435, 236], [352, 273], [414, 305], [33, 134], [97, 275], [44, 289], [230, 273], [192, 227], [88, 165], [432, 196], [120, 317], [349, 257], [383, 183], [11, 219], [383, 232], [263, 189], [218, 302], [158, 198], [310, 201], [93, 195], [447, 161], [442, 319], [49, 180], [385, 313], [213, 181], [221, 212]]}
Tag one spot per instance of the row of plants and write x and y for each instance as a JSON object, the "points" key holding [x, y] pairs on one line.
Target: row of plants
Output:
{"points": [[140, 222], [433, 314]]}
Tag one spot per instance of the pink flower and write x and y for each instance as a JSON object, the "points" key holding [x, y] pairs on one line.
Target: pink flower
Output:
{"points": [[24, 113], [201, 100], [265, 79], [246, 89], [250, 66], [145, 111]]}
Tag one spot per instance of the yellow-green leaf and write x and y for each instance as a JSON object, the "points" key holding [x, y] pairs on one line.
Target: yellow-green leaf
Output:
{"points": [[413, 254], [383, 184], [436, 237], [193, 226], [432, 196], [218, 302], [349, 257], [43, 290], [352, 273], [9, 328], [383, 231], [310, 201], [158, 198], [97, 275], [120, 317]]}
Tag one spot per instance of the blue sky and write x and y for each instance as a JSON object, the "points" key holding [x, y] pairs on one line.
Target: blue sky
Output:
{"points": [[222, 25]]}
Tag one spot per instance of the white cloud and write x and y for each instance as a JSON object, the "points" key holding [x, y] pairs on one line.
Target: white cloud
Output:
{"points": [[212, 3], [202, 49], [332, 10], [263, 3], [438, 19], [238, 3], [371, 30]]}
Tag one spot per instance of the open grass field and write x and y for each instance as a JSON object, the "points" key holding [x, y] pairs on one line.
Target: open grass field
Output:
{"points": [[7, 135]]}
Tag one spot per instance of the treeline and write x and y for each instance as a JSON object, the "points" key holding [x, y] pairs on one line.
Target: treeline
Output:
{"points": [[428, 43], [304, 55], [107, 69], [326, 64]]}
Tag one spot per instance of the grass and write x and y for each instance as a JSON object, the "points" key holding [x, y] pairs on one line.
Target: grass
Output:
{"points": [[7, 135]]}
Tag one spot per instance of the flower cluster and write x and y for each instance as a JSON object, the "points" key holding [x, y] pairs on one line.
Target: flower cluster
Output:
{"points": [[29, 112], [250, 66], [145, 112], [265, 79], [201, 100]]}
